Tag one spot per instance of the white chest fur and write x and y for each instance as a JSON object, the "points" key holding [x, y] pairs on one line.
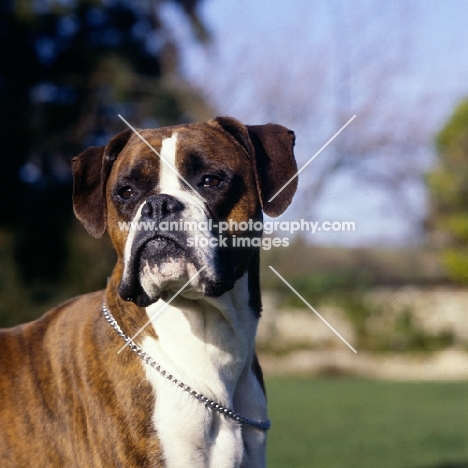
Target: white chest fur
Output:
{"points": [[209, 345]]}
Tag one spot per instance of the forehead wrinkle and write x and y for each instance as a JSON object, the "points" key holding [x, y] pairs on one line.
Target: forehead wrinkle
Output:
{"points": [[136, 164], [219, 146]]}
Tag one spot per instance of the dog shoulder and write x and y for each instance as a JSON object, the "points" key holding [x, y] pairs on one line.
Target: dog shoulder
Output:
{"points": [[22, 343]]}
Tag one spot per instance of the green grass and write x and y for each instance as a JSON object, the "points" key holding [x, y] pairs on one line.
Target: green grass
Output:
{"points": [[356, 423]]}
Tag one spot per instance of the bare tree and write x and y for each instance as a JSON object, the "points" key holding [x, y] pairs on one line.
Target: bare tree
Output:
{"points": [[314, 79]]}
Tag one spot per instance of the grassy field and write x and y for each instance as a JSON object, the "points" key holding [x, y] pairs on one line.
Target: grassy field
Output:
{"points": [[356, 423]]}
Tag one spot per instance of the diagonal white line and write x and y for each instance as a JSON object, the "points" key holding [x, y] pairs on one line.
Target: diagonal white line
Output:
{"points": [[162, 308], [173, 169], [313, 310], [312, 158]]}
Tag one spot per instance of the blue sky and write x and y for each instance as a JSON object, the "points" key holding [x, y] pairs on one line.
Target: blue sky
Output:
{"points": [[401, 66]]}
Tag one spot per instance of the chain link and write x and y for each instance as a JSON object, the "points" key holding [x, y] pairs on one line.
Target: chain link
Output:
{"points": [[263, 425]]}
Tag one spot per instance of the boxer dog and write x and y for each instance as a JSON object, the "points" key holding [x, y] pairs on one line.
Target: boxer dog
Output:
{"points": [[186, 390]]}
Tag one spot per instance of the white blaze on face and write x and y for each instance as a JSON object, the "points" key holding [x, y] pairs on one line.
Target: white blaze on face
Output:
{"points": [[169, 181]]}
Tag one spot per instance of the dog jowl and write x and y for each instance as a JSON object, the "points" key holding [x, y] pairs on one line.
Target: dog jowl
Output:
{"points": [[67, 398]]}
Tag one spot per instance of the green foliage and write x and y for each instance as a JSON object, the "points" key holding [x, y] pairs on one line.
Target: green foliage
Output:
{"points": [[350, 293], [345, 280], [359, 311], [366, 424], [448, 186], [320, 286], [343, 289], [90, 263], [374, 266], [456, 262], [407, 336]]}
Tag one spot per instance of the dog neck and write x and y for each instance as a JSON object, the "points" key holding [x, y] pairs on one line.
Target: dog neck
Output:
{"points": [[204, 337], [209, 344]]}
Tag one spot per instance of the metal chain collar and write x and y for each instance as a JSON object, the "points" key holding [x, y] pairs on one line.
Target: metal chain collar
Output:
{"points": [[263, 425]]}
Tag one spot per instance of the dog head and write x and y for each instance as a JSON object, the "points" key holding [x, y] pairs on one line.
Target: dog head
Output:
{"points": [[163, 194]]}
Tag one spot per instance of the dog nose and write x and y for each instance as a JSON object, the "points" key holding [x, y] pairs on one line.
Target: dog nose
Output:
{"points": [[158, 207]]}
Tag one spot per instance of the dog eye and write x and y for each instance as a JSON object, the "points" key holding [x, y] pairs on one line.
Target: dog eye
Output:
{"points": [[210, 181], [126, 192]]}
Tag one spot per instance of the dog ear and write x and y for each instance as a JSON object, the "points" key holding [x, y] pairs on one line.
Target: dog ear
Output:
{"points": [[91, 170], [88, 200], [276, 165], [271, 148]]}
